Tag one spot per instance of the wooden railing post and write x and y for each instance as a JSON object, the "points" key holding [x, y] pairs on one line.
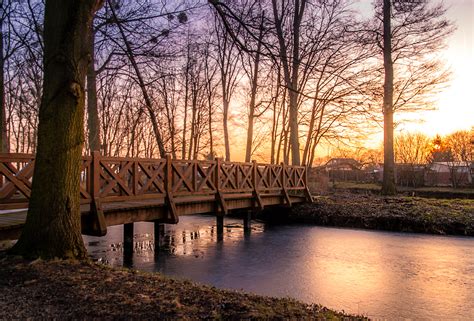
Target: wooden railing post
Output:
{"points": [[307, 193], [99, 225], [256, 193], [217, 176], [95, 175], [168, 175], [135, 178], [305, 177], [172, 211], [219, 196], [283, 184], [283, 175], [254, 175]]}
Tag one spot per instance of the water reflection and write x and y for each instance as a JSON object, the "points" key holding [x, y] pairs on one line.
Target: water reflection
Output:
{"points": [[383, 275]]}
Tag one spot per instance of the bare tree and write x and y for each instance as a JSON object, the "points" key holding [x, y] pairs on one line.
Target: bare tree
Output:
{"points": [[228, 62], [412, 148], [460, 143], [408, 34]]}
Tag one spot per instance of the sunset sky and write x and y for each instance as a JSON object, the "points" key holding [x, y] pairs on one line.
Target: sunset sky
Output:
{"points": [[455, 108], [455, 105]]}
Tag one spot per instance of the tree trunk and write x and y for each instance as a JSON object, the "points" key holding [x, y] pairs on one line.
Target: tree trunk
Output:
{"points": [[211, 137], [226, 130], [170, 118], [186, 98], [3, 116], [253, 96], [53, 223], [194, 94], [248, 149], [310, 134], [92, 111], [291, 76], [388, 184]]}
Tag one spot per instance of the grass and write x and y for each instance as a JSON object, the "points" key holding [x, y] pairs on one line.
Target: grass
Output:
{"points": [[376, 188], [401, 213]]}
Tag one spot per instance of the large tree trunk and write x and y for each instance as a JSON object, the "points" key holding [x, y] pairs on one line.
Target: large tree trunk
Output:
{"points": [[388, 185], [92, 111], [3, 116], [53, 224]]}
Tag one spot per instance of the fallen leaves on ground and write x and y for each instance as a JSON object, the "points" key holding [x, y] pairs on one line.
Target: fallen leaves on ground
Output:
{"points": [[85, 290]]}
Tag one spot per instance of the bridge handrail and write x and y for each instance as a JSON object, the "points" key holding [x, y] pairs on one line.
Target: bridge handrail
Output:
{"points": [[109, 179]]}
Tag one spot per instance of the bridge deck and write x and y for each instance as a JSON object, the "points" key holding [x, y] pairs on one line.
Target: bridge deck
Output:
{"points": [[124, 190]]}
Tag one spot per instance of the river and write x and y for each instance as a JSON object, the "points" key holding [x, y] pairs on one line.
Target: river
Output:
{"points": [[377, 274]]}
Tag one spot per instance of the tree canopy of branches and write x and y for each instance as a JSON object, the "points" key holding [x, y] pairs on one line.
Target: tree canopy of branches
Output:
{"points": [[412, 148], [273, 79]]}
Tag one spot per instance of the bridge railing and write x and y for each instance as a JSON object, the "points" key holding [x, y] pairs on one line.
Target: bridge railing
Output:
{"points": [[110, 179]]}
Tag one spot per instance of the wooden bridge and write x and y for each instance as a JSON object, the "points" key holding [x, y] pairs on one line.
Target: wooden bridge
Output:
{"points": [[116, 190]]}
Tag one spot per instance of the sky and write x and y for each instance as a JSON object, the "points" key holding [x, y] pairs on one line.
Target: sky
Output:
{"points": [[455, 106], [454, 109]]}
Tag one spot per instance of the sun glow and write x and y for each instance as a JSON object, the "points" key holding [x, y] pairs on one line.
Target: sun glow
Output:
{"points": [[455, 108]]}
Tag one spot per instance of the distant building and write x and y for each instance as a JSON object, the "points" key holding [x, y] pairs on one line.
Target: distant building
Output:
{"points": [[344, 169], [342, 164], [449, 174]]}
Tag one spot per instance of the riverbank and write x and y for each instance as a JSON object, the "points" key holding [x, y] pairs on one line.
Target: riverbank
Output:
{"points": [[426, 192], [398, 214], [85, 290]]}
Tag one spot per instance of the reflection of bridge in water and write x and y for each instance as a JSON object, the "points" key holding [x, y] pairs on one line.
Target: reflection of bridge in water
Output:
{"points": [[119, 190]]}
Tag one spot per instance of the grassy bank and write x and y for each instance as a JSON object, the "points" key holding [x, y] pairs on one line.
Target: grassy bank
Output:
{"points": [[404, 214], [428, 192], [79, 290]]}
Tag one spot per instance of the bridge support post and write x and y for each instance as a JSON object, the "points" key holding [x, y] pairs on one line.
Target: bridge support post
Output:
{"points": [[159, 231], [128, 240], [247, 221], [220, 226]]}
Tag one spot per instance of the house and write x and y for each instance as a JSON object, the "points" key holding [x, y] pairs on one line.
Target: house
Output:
{"points": [[409, 175], [344, 169], [449, 174], [342, 164]]}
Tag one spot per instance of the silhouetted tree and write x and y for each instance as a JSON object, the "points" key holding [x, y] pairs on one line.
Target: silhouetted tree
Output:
{"points": [[408, 34]]}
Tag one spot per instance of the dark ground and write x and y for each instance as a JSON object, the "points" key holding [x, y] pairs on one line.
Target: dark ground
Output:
{"points": [[75, 290], [401, 214]]}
